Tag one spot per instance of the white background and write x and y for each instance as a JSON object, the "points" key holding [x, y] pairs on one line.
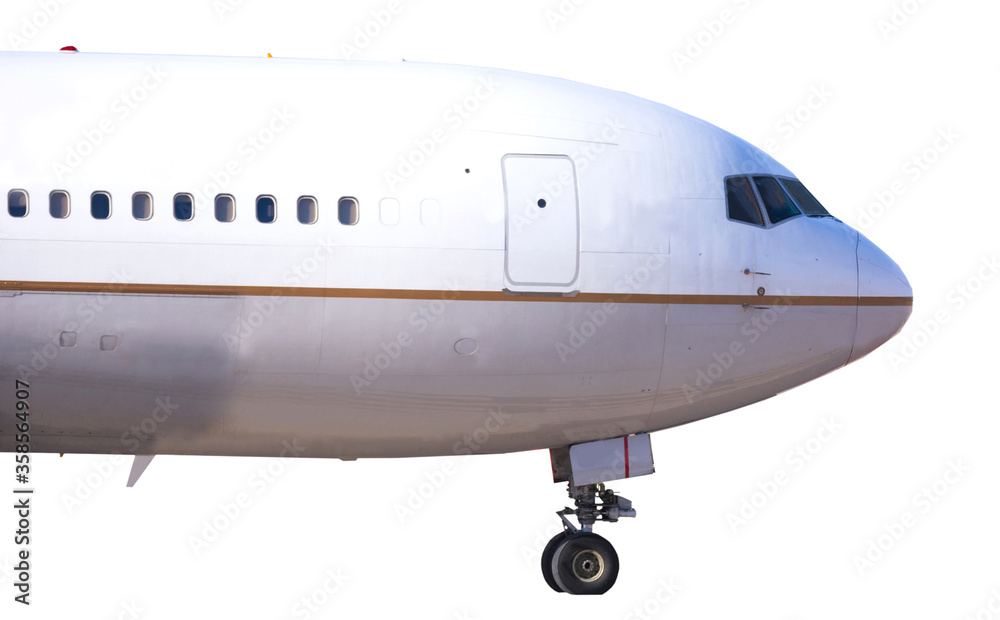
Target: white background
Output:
{"points": [[471, 550]]}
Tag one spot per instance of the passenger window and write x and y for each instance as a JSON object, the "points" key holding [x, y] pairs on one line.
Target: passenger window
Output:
{"points": [[347, 211], [59, 204], [388, 210], [183, 207], [807, 202], [100, 205], [779, 206], [225, 208], [308, 210], [142, 205], [17, 203], [741, 202], [266, 211]]}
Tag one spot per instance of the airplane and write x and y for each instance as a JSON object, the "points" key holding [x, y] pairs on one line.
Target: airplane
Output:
{"points": [[220, 256]]}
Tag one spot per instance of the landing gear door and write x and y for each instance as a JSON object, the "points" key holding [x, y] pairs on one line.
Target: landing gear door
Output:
{"points": [[542, 253]]}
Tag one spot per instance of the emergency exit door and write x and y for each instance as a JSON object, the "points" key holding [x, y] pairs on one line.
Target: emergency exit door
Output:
{"points": [[543, 223]]}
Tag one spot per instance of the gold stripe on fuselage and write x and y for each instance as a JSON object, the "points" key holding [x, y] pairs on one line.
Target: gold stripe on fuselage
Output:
{"points": [[360, 293]]}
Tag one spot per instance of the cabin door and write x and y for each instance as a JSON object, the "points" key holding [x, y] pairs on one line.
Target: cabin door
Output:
{"points": [[542, 224]]}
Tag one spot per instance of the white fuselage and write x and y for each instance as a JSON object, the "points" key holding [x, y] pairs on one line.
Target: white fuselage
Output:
{"points": [[456, 315]]}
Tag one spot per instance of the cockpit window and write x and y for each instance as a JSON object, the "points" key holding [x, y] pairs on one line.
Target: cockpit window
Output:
{"points": [[807, 202], [779, 205], [741, 202]]}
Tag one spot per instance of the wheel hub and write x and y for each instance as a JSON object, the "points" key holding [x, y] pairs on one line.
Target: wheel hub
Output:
{"points": [[588, 565]]}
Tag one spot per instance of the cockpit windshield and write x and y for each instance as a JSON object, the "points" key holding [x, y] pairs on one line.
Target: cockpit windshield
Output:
{"points": [[782, 198], [779, 206], [807, 202]]}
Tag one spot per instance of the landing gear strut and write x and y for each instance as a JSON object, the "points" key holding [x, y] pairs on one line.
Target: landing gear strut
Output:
{"points": [[577, 560]]}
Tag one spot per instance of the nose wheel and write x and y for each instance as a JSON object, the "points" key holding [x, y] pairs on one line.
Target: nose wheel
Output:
{"points": [[580, 563], [576, 560]]}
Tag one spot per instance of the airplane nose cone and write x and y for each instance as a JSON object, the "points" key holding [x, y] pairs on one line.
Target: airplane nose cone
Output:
{"points": [[885, 299]]}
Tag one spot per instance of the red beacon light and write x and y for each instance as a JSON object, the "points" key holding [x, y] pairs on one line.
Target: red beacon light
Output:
{"points": [[70, 48]]}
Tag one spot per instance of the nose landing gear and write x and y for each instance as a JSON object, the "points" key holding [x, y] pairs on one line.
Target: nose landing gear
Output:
{"points": [[577, 560]]}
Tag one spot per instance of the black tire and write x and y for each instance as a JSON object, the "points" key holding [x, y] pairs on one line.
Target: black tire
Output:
{"points": [[585, 564], [547, 554]]}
